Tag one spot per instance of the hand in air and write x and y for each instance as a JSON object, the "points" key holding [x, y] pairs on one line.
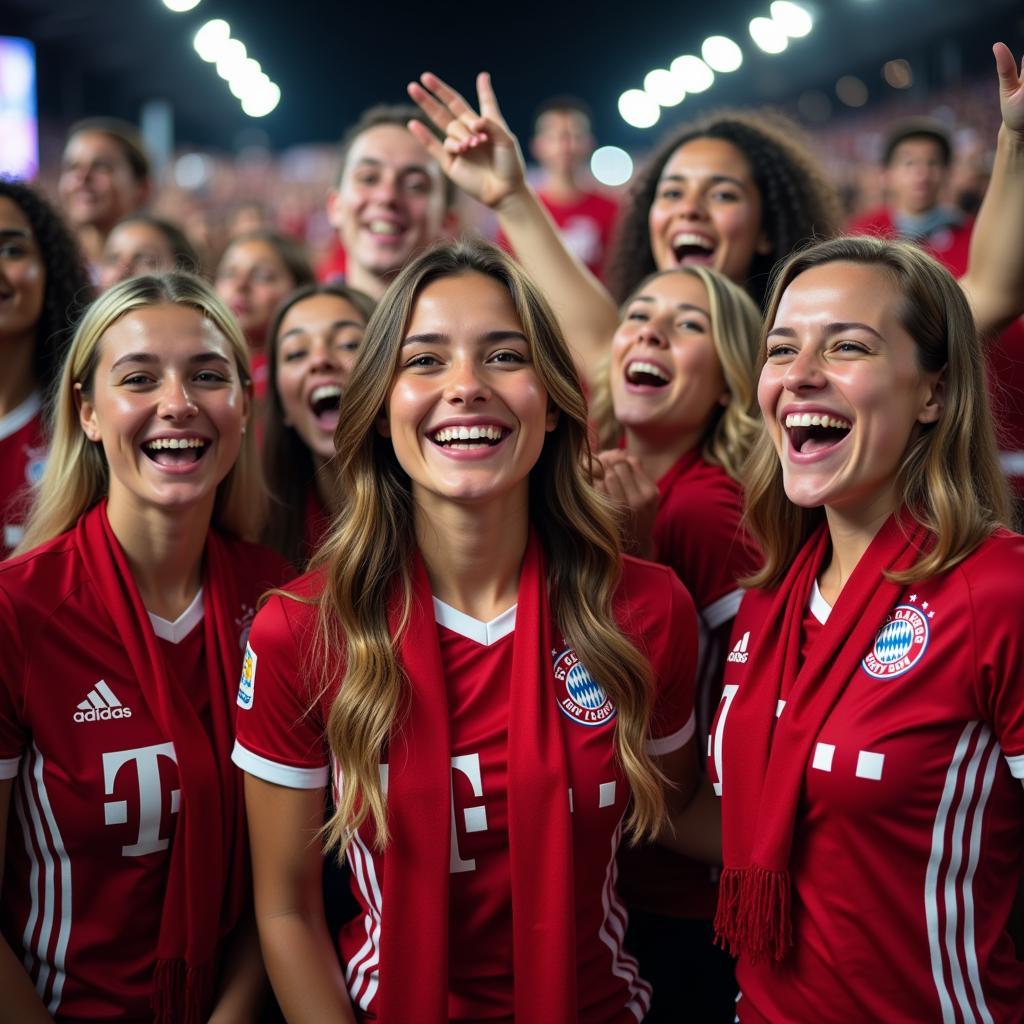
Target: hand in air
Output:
{"points": [[478, 153], [621, 478], [1011, 88]]}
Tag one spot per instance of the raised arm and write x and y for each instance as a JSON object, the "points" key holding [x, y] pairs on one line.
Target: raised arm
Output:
{"points": [[483, 158], [994, 282], [287, 867]]}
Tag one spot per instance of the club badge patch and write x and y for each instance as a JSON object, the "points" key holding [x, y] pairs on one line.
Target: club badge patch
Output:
{"points": [[579, 697], [899, 645], [247, 684]]}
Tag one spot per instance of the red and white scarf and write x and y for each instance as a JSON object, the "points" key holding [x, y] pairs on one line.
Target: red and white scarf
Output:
{"points": [[766, 766], [414, 942], [208, 880]]}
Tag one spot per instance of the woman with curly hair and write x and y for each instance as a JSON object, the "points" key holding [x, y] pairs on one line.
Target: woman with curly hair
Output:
{"points": [[43, 284]]}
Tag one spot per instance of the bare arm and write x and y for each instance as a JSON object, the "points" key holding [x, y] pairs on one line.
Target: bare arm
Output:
{"points": [[287, 871], [244, 988], [696, 830], [994, 282], [482, 157], [20, 1003]]}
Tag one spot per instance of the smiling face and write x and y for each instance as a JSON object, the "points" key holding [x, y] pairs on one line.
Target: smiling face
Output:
{"points": [[22, 275], [134, 248], [916, 174], [168, 407], [666, 378], [842, 391], [97, 185], [707, 210], [252, 279], [316, 347], [467, 413], [390, 203]]}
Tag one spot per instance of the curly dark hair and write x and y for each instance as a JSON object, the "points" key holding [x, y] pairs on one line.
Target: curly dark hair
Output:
{"points": [[798, 201], [68, 288]]}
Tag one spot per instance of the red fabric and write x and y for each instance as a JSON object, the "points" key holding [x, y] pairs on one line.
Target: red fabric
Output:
{"points": [[207, 883], [949, 246], [316, 522], [766, 775], [22, 454]]}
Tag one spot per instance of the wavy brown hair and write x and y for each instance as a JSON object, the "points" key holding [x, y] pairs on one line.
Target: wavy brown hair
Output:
{"points": [[949, 476], [372, 544]]}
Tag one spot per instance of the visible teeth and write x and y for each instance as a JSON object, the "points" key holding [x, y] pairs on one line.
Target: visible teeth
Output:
{"points": [[474, 433], [175, 442], [383, 227], [688, 238], [649, 368], [813, 419], [325, 391]]}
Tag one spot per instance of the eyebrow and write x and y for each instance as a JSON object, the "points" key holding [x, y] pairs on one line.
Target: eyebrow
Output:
{"points": [[835, 328], [437, 338], [334, 326], [679, 305], [15, 233], [715, 179], [150, 359], [369, 161]]}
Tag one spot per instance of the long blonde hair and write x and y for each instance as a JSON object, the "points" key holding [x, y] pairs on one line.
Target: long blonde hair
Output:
{"points": [[949, 476], [372, 545], [735, 330], [76, 475]]}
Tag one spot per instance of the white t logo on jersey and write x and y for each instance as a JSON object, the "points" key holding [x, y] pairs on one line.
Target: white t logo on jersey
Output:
{"points": [[147, 768], [475, 818]]}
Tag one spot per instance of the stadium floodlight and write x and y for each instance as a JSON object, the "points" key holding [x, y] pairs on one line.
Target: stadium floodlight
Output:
{"points": [[664, 88], [694, 74], [793, 19], [611, 166], [768, 35], [265, 101], [638, 109], [210, 38], [181, 6], [720, 53], [231, 57]]}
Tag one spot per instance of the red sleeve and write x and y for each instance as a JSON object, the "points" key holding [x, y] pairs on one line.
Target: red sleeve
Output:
{"points": [[280, 728], [13, 734]]}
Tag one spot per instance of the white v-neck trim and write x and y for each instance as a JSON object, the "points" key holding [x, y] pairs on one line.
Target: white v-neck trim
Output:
{"points": [[820, 608], [18, 417], [176, 631], [485, 633]]}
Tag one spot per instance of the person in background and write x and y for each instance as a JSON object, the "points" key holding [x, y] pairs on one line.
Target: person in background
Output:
{"points": [[43, 285], [562, 144], [105, 175], [144, 244]]}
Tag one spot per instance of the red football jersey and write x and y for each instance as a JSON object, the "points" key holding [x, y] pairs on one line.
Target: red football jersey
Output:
{"points": [[697, 533], [279, 742], [96, 794], [909, 837], [22, 454]]}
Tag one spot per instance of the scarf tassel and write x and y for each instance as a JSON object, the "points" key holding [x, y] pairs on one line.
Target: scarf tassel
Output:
{"points": [[753, 919], [181, 994]]}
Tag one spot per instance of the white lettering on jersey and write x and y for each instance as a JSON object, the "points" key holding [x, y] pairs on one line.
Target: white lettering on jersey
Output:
{"points": [[475, 818], [728, 693], [147, 767]]}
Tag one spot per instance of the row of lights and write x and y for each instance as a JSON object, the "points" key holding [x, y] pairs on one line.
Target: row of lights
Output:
{"points": [[247, 81], [668, 87]]}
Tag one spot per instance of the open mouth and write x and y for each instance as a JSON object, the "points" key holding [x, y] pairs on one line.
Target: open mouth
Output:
{"points": [[687, 246], [469, 438], [325, 402], [176, 451], [384, 228], [648, 375], [814, 432]]}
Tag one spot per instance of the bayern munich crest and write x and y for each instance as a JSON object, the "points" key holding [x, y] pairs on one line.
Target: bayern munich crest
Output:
{"points": [[579, 697], [899, 645]]}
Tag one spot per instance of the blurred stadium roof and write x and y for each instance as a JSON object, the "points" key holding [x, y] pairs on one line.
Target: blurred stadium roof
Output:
{"points": [[333, 60]]}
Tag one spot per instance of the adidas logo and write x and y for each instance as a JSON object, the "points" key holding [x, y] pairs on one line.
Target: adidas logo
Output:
{"points": [[739, 652], [101, 705]]}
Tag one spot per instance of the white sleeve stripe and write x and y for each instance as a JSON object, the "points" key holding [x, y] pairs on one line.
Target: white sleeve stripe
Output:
{"points": [[1016, 765], [280, 774], [660, 745], [9, 767], [722, 610]]}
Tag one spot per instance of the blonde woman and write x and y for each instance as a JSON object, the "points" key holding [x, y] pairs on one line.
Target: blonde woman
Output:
{"points": [[869, 749], [122, 627], [503, 694]]}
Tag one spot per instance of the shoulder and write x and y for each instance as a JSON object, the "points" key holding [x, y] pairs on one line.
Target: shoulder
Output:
{"points": [[650, 596], [699, 486], [287, 618], [993, 573], [44, 576]]}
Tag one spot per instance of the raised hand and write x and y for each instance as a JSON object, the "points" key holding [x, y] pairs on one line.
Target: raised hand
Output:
{"points": [[1011, 88], [621, 478], [478, 153]]}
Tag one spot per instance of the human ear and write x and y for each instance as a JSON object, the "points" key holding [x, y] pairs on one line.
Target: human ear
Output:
{"points": [[87, 414], [551, 420], [383, 425], [934, 400]]}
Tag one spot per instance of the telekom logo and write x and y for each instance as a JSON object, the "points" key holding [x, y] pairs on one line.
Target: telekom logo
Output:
{"points": [[147, 774]]}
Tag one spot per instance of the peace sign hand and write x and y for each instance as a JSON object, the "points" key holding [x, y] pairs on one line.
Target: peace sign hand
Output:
{"points": [[478, 153]]}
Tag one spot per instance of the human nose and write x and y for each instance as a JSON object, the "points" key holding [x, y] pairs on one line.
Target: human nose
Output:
{"points": [[466, 383], [651, 333], [325, 355], [805, 372], [385, 189], [176, 402]]}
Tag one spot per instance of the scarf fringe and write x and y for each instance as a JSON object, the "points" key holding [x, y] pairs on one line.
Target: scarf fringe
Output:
{"points": [[754, 918], [181, 994]]}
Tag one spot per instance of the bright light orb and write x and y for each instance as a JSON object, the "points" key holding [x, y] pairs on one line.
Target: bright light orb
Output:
{"points": [[720, 53], [210, 38], [768, 35], [695, 75], [664, 87], [263, 103], [638, 109], [792, 19], [231, 58], [611, 166], [181, 6]]}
